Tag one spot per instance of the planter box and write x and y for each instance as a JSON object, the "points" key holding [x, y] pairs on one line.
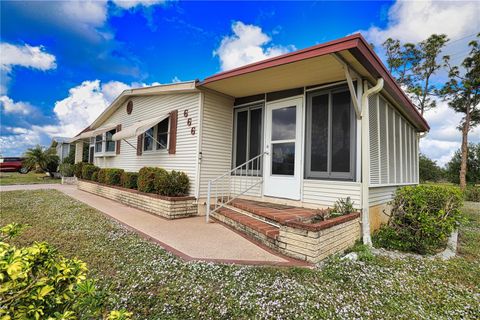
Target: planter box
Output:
{"points": [[314, 242], [167, 207]]}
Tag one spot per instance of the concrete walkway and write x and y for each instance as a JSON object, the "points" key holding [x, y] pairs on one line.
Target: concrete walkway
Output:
{"points": [[189, 238]]}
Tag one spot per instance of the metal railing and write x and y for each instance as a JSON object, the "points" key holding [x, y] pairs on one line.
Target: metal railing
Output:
{"points": [[223, 191]]}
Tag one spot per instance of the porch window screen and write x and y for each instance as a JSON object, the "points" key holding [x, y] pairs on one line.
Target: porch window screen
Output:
{"points": [[248, 126], [330, 143]]}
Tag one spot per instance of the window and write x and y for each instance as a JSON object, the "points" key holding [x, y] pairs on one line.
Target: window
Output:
{"points": [[109, 143], [98, 143], [248, 126], [330, 138], [160, 133], [148, 140]]}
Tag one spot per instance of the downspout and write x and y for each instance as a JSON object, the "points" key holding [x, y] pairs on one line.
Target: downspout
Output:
{"points": [[366, 160]]}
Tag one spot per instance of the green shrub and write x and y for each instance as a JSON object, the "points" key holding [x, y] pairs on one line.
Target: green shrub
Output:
{"points": [[87, 171], [39, 283], [95, 176], [102, 174], [147, 177], [172, 184], [422, 219], [113, 176], [472, 193], [66, 169], [77, 169], [129, 180]]}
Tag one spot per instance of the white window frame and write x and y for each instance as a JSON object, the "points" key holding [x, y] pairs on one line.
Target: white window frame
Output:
{"points": [[103, 143], [155, 147], [329, 175]]}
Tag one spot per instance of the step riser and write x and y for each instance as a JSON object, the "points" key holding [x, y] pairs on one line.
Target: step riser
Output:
{"points": [[270, 242]]}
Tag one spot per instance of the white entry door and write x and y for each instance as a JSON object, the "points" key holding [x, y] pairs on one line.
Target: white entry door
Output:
{"points": [[282, 176]]}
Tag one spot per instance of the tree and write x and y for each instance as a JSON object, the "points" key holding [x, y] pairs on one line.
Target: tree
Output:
{"points": [[39, 157], [429, 170], [473, 165], [462, 92], [414, 65]]}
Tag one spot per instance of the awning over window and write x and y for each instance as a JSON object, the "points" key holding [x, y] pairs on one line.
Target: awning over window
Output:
{"points": [[93, 133], [138, 128], [103, 129]]}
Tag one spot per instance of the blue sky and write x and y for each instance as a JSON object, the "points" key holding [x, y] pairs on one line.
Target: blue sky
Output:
{"points": [[63, 62]]}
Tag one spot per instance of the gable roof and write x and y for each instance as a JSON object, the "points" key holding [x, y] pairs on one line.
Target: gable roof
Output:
{"points": [[356, 46]]}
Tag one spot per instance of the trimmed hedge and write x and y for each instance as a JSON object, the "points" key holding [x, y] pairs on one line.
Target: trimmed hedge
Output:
{"points": [[87, 171], [66, 169], [129, 180], [173, 184], [102, 173], [422, 218], [113, 176], [147, 177], [77, 169]]}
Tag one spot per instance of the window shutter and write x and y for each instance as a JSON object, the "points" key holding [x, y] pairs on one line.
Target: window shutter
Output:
{"points": [[172, 142], [119, 142], [139, 145]]}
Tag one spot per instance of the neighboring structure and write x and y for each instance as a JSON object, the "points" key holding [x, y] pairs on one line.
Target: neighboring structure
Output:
{"points": [[63, 147], [302, 129]]}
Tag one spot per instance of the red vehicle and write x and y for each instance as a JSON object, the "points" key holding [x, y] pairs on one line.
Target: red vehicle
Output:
{"points": [[12, 164]]}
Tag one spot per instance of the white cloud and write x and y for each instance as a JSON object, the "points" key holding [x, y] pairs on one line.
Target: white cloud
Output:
{"points": [[26, 56], [444, 138], [247, 44], [176, 79], [9, 106], [112, 89], [83, 105], [416, 20], [133, 3]]}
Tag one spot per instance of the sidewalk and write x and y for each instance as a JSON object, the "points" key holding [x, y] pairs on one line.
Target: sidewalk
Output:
{"points": [[188, 238]]}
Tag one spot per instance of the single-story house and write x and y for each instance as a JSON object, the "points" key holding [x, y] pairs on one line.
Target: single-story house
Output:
{"points": [[63, 147], [299, 130]]}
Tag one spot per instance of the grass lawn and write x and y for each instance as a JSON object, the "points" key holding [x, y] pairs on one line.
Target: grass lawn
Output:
{"points": [[7, 178], [152, 283]]}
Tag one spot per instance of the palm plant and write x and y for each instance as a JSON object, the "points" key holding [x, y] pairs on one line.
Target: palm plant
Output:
{"points": [[45, 159]]}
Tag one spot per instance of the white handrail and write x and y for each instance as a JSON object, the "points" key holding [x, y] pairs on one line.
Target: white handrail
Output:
{"points": [[225, 184]]}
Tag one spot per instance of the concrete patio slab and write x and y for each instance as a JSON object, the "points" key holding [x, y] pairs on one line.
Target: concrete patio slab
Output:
{"points": [[189, 238]]}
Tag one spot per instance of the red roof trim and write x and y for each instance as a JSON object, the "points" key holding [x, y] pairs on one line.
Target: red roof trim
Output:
{"points": [[355, 43], [310, 52]]}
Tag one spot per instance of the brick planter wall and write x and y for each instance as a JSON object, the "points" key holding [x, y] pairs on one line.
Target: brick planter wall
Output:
{"points": [[167, 207], [314, 242]]}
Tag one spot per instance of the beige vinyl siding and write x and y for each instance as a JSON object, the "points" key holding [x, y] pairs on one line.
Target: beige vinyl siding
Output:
{"points": [[216, 146], [146, 107], [324, 193], [393, 145], [381, 195]]}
